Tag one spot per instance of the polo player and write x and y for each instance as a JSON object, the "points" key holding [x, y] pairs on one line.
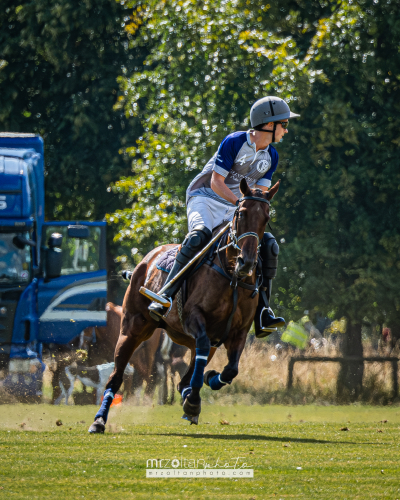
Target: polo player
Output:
{"points": [[212, 198]]}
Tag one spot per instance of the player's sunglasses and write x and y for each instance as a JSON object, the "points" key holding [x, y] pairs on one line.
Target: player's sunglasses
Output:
{"points": [[284, 124]]}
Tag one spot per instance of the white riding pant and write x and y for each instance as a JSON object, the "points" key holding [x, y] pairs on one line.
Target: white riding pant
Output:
{"points": [[209, 212]]}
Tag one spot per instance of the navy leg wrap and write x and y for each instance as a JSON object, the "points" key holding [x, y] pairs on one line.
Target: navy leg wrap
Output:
{"points": [[105, 405], [198, 373], [185, 392], [216, 383]]}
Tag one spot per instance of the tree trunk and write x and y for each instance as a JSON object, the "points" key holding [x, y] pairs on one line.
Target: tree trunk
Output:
{"points": [[349, 385], [395, 334]]}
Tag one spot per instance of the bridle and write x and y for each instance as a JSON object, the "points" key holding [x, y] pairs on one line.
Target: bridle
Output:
{"points": [[232, 235], [233, 229]]}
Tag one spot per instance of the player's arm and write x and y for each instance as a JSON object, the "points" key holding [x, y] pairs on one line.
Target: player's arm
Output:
{"points": [[218, 186], [224, 160]]}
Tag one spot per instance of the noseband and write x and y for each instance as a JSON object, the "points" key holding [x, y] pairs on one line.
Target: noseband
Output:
{"points": [[233, 231]]}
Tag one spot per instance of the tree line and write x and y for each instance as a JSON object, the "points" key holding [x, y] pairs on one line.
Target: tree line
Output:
{"points": [[133, 99]]}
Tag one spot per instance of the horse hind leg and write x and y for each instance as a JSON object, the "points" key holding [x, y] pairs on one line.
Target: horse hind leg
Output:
{"points": [[216, 380], [134, 331]]}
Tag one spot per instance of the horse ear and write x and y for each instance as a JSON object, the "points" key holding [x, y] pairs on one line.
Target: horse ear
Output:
{"points": [[244, 188], [272, 192]]}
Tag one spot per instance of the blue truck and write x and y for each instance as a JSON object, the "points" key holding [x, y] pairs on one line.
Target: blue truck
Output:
{"points": [[53, 277]]}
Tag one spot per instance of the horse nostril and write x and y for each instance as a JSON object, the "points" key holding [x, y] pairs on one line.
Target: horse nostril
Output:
{"points": [[244, 267]]}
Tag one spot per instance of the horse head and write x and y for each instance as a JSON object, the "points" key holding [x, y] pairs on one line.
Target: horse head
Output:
{"points": [[251, 218]]}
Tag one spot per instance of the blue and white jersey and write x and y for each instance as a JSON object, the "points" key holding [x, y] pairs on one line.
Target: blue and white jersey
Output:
{"points": [[235, 159]]}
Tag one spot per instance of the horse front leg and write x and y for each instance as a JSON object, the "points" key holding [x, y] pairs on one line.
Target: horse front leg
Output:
{"points": [[234, 347], [134, 330], [191, 393]]}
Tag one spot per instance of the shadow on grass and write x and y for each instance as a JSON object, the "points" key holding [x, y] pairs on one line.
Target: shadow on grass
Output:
{"points": [[244, 437]]}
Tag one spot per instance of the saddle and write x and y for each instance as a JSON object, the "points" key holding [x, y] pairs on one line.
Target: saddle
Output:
{"points": [[165, 263], [167, 259]]}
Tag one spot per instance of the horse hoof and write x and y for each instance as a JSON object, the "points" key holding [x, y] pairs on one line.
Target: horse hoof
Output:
{"points": [[98, 426], [208, 375], [191, 419], [190, 409]]}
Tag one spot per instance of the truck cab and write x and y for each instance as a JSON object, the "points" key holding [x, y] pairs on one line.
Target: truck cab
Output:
{"points": [[52, 273]]}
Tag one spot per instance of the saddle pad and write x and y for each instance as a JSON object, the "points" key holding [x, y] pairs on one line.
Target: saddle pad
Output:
{"points": [[167, 259]]}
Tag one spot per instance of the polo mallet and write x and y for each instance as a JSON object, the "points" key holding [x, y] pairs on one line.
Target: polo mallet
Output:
{"points": [[157, 296]]}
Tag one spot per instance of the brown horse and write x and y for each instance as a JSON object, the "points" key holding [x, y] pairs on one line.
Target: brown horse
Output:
{"points": [[206, 316]]}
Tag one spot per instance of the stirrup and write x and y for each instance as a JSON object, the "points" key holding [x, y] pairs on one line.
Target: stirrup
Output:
{"points": [[263, 331], [271, 314], [156, 311]]}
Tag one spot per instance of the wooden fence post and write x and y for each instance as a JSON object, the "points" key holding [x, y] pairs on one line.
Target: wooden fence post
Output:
{"points": [[290, 373], [395, 382]]}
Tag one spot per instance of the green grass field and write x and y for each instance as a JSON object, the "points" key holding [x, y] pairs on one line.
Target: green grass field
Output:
{"points": [[39, 459]]}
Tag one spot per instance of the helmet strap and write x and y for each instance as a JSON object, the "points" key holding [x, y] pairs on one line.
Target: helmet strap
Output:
{"points": [[260, 129]]}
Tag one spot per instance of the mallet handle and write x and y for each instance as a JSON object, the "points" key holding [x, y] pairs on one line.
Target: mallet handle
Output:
{"points": [[152, 295]]}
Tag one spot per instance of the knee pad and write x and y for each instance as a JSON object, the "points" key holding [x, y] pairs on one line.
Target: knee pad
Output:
{"points": [[195, 241], [269, 252]]}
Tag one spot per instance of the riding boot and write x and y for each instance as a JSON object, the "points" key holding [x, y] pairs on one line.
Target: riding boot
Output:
{"points": [[157, 310], [194, 242], [265, 321]]}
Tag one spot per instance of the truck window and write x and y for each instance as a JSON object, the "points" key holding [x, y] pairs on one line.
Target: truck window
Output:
{"points": [[78, 255], [15, 263]]}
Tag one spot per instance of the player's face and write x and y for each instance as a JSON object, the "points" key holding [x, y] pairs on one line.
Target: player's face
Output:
{"points": [[280, 131]]}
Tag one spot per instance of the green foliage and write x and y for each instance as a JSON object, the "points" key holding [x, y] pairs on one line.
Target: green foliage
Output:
{"points": [[139, 96], [341, 189], [335, 214], [58, 70], [207, 63]]}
